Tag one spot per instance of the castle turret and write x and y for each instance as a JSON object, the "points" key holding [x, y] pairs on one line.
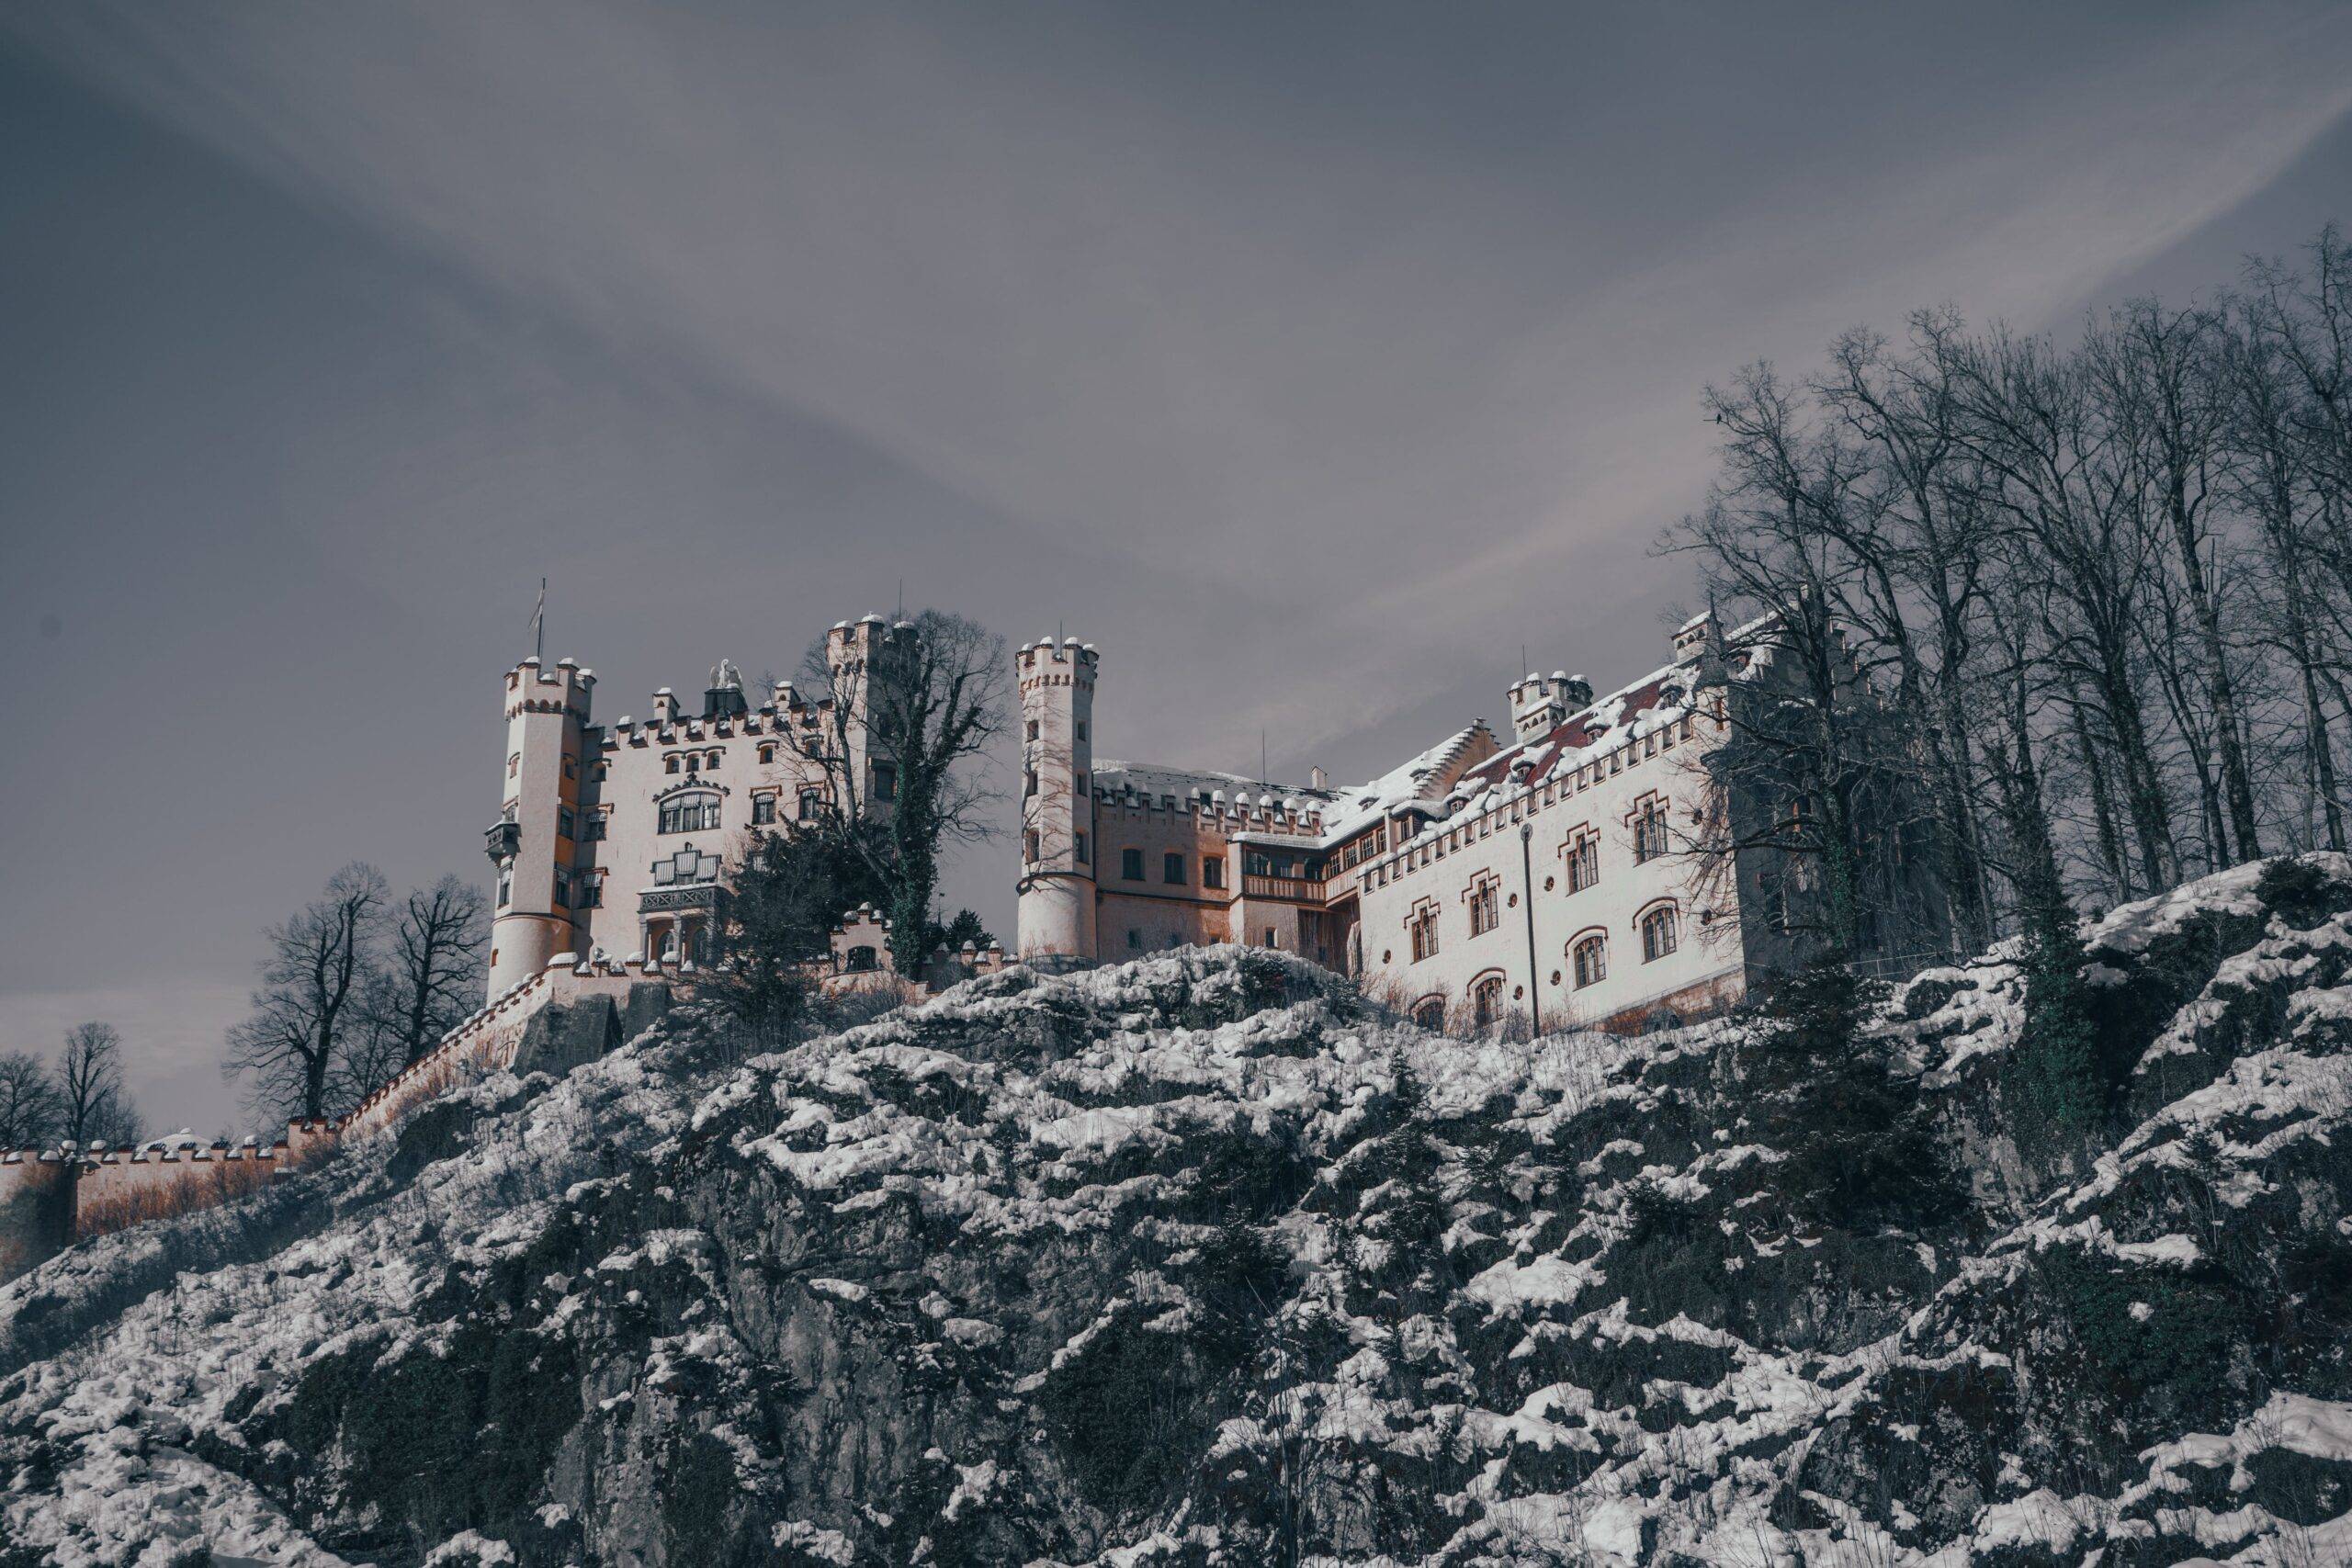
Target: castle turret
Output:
{"points": [[1058, 854], [532, 922], [1540, 704]]}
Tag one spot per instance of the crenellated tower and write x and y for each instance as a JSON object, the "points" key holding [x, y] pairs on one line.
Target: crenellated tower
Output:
{"points": [[532, 842], [1057, 840]]}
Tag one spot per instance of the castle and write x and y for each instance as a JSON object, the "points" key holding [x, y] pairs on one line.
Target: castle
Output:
{"points": [[1556, 878], [615, 840], [1547, 877]]}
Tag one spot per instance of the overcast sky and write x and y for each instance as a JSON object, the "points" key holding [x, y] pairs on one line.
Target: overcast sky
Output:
{"points": [[1307, 359]]}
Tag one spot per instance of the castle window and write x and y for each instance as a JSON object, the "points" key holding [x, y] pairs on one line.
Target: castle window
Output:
{"points": [[1079, 841], [1212, 871], [1430, 1012], [1584, 862], [689, 814], [1485, 907], [812, 804], [1171, 869], [563, 823], [572, 767], [1135, 940], [1078, 730], [597, 821], [1650, 833], [886, 781], [513, 764], [762, 810], [694, 764], [1029, 784], [1029, 732], [670, 764], [767, 752], [713, 759], [505, 888], [591, 891], [1029, 846], [562, 888], [1422, 927], [1131, 865], [600, 771], [1658, 933], [1590, 959], [1486, 1002]]}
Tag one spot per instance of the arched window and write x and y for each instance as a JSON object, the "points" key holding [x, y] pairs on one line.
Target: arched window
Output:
{"points": [[670, 764], [1589, 960], [767, 752], [713, 759], [1658, 934], [1487, 1001], [691, 813], [1430, 1012]]}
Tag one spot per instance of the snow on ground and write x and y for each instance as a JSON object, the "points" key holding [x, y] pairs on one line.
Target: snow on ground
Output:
{"points": [[1545, 1413]]}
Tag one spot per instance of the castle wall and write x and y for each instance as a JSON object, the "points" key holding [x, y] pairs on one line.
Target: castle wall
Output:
{"points": [[36, 1209], [1440, 866], [1580, 772]]}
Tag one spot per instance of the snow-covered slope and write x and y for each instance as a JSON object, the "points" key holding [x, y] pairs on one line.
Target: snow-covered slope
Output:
{"points": [[1202, 1259]]}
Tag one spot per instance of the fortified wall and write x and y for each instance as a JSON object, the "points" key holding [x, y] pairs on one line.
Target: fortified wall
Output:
{"points": [[570, 1012]]}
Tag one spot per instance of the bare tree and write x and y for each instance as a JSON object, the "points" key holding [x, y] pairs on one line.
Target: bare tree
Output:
{"points": [[1812, 768], [434, 967], [903, 737], [91, 1103], [305, 1010], [27, 1102]]}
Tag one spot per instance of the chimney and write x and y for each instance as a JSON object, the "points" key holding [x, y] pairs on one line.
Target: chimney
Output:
{"points": [[1317, 778]]}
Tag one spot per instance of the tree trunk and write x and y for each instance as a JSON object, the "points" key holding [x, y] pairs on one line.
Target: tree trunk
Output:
{"points": [[2110, 842]]}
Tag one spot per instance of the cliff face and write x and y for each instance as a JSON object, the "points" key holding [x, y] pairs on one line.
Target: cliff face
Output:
{"points": [[1202, 1259]]}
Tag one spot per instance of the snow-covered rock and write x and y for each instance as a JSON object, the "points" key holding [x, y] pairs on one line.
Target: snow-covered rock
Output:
{"points": [[1203, 1259]]}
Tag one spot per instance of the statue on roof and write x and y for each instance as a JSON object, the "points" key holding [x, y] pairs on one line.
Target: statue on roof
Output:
{"points": [[725, 677]]}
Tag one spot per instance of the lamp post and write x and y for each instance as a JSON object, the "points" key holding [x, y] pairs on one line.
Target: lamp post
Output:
{"points": [[1527, 883]]}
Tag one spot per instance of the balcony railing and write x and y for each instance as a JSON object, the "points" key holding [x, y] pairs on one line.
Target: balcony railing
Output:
{"points": [[1297, 889], [503, 841]]}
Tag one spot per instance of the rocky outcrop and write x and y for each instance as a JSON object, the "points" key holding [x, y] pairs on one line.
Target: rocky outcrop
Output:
{"points": [[1205, 1259]]}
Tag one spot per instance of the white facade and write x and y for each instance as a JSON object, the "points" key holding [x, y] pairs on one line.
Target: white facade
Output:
{"points": [[1551, 874], [621, 839]]}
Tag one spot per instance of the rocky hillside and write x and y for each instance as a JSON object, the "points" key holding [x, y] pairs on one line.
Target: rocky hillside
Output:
{"points": [[1205, 1261]]}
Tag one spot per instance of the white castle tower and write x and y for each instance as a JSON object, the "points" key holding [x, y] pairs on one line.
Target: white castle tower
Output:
{"points": [[531, 844], [1057, 839]]}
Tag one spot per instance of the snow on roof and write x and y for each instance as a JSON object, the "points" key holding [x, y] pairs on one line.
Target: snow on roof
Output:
{"points": [[1422, 778], [1191, 784]]}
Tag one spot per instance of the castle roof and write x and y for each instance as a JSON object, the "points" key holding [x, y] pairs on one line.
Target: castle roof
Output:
{"points": [[1424, 779], [1193, 783]]}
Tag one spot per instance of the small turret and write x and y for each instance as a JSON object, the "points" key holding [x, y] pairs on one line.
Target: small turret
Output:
{"points": [[1541, 704]]}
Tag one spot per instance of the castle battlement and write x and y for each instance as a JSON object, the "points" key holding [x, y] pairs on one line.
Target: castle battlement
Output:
{"points": [[1265, 814], [566, 689]]}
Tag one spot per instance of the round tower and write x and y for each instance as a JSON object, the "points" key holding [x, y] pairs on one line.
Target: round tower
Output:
{"points": [[532, 909], [1057, 843]]}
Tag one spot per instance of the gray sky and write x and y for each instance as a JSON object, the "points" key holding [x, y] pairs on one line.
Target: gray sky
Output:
{"points": [[1307, 358]]}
